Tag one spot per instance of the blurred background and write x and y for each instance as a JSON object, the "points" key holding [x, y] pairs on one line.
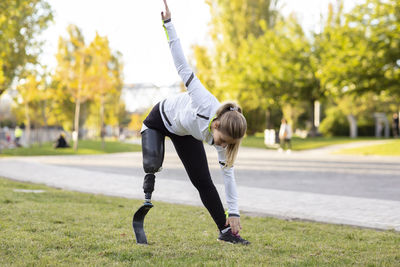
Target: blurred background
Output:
{"points": [[93, 69]]}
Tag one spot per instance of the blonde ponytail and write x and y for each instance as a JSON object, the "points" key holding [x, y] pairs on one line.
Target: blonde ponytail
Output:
{"points": [[233, 124]]}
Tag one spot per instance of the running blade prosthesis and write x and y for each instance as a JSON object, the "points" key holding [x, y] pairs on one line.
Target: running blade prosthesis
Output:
{"points": [[138, 220], [140, 214]]}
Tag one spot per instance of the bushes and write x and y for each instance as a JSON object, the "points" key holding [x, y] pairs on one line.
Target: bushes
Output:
{"points": [[366, 130], [256, 120], [335, 123], [7, 123]]}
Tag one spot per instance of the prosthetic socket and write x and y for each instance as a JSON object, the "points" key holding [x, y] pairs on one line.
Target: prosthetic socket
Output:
{"points": [[153, 157]]}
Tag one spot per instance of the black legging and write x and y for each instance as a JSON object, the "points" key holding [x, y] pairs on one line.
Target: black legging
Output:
{"points": [[194, 159]]}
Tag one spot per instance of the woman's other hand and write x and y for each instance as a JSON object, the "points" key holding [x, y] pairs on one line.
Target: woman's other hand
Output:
{"points": [[234, 223]]}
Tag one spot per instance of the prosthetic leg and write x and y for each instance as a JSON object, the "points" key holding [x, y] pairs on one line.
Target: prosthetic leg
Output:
{"points": [[153, 157]]}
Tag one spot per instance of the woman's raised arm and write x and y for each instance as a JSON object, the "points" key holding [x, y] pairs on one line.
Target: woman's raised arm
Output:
{"points": [[197, 91]]}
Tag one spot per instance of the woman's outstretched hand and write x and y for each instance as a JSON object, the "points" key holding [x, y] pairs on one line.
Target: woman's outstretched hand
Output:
{"points": [[167, 14]]}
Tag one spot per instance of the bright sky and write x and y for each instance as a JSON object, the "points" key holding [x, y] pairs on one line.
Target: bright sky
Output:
{"points": [[134, 28]]}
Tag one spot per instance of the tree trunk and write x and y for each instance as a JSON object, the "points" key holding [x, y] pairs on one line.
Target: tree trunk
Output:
{"points": [[268, 118], [313, 131], [102, 130], [353, 126], [46, 138], [76, 123], [78, 106], [28, 125]]}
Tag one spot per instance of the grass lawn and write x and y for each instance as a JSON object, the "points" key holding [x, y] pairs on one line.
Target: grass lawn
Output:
{"points": [[84, 147], [392, 148], [64, 228], [257, 141]]}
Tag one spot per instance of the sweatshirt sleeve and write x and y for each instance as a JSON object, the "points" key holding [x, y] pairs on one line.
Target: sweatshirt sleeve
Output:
{"points": [[198, 93], [230, 183]]}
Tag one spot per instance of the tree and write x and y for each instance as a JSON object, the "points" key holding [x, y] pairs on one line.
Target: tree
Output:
{"points": [[281, 68], [361, 57], [365, 49], [20, 22], [72, 71], [136, 122], [105, 77], [231, 24], [265, 61], [60, 109], [30, 91], [303, 57], [223, 67]]}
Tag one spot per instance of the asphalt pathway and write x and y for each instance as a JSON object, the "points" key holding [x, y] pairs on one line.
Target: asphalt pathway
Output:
{"points": [[315, 185]]}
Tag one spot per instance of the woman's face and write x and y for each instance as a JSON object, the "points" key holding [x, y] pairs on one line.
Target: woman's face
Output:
{"points": [[223, 140]]}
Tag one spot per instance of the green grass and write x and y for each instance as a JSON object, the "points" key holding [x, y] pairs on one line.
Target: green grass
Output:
{"points": [[392, 148], [85, 147], [61, 228], [304, 144]]}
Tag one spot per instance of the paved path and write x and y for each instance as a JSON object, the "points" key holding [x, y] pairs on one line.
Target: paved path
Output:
{"points": [[317, 186]]}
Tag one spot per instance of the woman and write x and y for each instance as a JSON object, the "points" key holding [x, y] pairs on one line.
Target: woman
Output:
{"points": [[285, 136], [189, 119]]}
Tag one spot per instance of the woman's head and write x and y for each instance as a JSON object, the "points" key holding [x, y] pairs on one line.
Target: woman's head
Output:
{"points": [[229, 127]]}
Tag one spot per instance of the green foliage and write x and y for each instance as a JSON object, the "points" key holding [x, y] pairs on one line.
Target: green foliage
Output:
{"points": [[364, 49], [259, 59], [20, 23], [335, 123], [256, 120], [361, 107], [366, 128], [224, 68], [265, 61], [6, 123]]}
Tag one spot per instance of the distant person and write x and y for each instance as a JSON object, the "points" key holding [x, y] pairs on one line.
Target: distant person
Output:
{"points": [[61, 142], [18, 134], [395, 125], [285, 136], [8, 136], [8, 140]]}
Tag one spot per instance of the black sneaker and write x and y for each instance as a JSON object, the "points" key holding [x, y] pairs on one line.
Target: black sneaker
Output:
{"points": [[228, 236]]}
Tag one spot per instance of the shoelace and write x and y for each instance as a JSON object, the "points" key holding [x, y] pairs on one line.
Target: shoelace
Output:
{"points": [[236, 235]]}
